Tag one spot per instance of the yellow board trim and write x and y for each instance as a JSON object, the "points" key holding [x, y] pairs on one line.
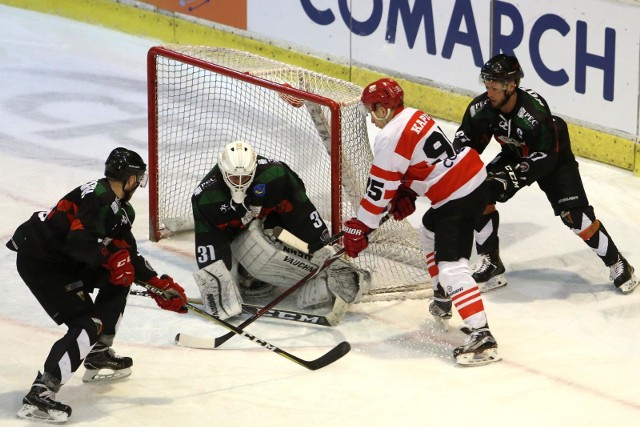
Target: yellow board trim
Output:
{"points": [[170, 28]]}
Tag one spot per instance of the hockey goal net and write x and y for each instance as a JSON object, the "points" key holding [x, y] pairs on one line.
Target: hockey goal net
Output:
{"points": [[201, 98]]}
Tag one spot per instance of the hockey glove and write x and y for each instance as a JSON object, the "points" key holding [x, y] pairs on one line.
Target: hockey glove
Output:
{"points": [[355, 239], [120, 268], [403, 203], [174, 298], [505, 183]]}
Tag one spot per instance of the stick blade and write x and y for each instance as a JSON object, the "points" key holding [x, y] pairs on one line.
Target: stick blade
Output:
{"points": [[186, 340], [331, 356], [286, 237]]}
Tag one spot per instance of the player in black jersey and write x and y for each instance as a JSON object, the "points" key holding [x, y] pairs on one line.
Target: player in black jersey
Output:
{"points": [[535, 148], [235, 208], [85, 243]]}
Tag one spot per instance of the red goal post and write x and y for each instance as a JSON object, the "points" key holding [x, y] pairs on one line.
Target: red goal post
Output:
{"points": [[200, 98]]}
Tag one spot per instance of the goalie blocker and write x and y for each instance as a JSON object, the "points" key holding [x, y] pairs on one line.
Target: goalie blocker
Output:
{"points": [[268, 260]]}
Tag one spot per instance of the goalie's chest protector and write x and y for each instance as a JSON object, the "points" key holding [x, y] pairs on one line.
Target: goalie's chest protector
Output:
{"points": [[270, 191]]}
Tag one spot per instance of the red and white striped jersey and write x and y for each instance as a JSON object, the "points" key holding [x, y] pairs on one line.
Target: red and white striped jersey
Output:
{"points": [[412, 150]]}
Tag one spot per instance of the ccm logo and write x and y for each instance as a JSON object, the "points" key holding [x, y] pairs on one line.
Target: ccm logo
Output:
{"points": [[123, 262]]}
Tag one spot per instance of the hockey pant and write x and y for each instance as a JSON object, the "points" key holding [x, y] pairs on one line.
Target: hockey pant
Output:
{"points": [[64, 294], [447, 241]]}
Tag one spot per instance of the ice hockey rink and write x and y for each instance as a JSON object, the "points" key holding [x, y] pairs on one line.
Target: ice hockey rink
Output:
{"points": [[72, 92]]}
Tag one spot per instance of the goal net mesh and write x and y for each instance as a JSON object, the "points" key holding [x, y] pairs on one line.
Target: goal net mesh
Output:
{"points": [[201, 98]]}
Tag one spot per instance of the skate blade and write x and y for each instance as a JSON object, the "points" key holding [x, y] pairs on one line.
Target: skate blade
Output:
{"points": [[630, 286], [495, 282], [478, 359], [99, 375], [31, 412]]}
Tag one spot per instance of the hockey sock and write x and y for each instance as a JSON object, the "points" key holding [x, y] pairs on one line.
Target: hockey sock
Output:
{"points": [[68, 352], [584, 224], [487, 241]]}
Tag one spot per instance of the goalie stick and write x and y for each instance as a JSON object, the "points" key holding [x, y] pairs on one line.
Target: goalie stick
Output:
{"points": [[315, 272], [331, 319], [289, 239], [328, 358]]}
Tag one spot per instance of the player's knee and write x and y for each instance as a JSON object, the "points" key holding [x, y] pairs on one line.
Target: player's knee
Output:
{"points": [[427, 240], [489, 209], [91, 326], [454, 275], [583, 222], [578, 218]]}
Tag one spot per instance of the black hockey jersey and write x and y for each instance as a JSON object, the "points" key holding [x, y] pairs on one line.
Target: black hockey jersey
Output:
{"points": [[83, 229], [527, 134], [276, 189]]}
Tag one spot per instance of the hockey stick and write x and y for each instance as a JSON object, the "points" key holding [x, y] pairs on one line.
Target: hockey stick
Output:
{"points": [[315, 272], [145, 293], [331, 319], [326, 359], [289, 239]]}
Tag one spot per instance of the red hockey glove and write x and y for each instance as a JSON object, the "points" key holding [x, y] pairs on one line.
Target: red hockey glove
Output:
{"points": [[355, 239], [174, 299], [120, 268], [403, 203]]}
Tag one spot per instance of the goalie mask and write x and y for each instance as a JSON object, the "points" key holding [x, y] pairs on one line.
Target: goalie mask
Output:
{"points": [[238, 162]]}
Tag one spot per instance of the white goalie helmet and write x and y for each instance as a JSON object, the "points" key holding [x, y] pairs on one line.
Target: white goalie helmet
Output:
{"points": [[238, 162]]}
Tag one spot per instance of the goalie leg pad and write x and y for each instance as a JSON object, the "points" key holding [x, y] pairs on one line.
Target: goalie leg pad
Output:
{"points": [[219, 291], [344, 280], [269, 261], [347, 281], [315, 293]]}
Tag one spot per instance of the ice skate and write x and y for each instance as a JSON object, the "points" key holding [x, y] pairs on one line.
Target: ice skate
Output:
{"points": [[480, 348], [40, 404], [621, 272], [489, 272], [103, 364], [440, 307]]}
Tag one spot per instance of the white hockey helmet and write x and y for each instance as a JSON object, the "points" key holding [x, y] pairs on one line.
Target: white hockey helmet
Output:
{"points": [[238, 162]]}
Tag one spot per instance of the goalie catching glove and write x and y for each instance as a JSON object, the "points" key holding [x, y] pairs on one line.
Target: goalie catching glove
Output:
{"points": [[174, 298], [341, 279]]}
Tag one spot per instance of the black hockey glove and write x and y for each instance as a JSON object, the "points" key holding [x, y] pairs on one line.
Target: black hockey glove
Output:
{"points": [[503, 184]]}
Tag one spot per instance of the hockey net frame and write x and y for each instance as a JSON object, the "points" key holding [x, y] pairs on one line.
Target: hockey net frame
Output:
{"points": [[192, 90]]}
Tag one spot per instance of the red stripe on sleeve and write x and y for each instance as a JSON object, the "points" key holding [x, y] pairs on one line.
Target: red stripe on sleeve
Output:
{"points": [[385, 174], [371, 208]]}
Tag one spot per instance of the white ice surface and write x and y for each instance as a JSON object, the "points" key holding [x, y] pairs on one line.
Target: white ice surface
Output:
{"points": [[71, 92]]}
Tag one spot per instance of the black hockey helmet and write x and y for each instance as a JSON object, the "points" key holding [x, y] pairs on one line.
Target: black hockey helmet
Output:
{"points": [[501, 68], [122, 163]]}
